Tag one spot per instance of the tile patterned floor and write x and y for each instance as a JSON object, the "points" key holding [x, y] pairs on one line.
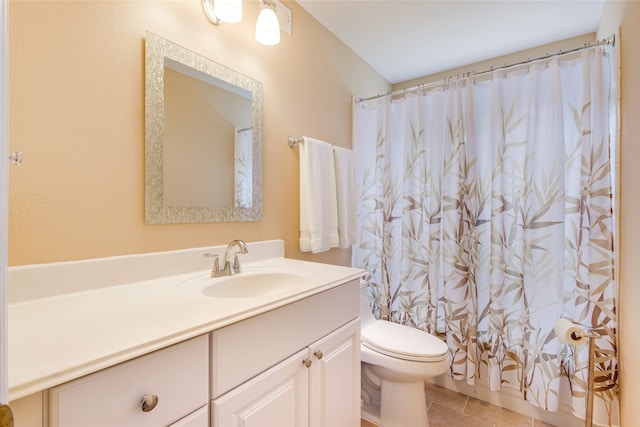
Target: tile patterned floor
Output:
{"points": [[447, 408]]}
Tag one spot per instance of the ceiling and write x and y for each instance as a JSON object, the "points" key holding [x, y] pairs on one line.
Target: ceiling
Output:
{"points": [[403, 39]]}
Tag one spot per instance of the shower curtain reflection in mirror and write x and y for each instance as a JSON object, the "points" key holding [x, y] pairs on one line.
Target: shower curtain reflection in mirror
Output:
{"points": [[243, 165]]}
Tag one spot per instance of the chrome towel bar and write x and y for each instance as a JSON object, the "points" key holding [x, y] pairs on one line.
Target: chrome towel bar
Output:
{"points": [[293, 141]]}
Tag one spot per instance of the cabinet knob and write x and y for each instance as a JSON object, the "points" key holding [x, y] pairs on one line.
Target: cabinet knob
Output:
{"points": [[149, 401], [307, 362], [318, 354], [6, 416]]}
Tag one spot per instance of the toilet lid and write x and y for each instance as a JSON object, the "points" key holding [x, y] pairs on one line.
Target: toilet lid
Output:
{"points": [[403, 342]]}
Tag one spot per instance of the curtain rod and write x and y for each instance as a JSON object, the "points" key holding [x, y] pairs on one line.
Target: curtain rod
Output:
{"points": [[609, 41]]}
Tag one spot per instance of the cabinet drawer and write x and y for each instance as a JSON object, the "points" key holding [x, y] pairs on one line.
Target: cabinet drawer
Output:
{"points": [[244, 349], [199, 418], [178, 375]]}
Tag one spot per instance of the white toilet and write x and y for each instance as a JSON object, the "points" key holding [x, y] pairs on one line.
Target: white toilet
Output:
{"points": [[398, 359]]}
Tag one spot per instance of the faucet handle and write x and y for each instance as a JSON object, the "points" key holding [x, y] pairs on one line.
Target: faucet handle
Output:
{"points": [[236, 264], [215, 268]]}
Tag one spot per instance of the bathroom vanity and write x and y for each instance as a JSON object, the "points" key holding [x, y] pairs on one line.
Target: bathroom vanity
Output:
{"points": [[179, 349]]}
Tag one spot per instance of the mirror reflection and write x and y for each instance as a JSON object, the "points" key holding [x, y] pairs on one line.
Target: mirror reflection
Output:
{"points": [[203, 139]]}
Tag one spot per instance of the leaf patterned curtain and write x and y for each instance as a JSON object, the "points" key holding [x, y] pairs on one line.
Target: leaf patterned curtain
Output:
{"points": [[486, 213]]}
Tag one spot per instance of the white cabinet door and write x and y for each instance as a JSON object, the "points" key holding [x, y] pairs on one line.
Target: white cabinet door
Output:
{"points": [[276, 398], [335, 378], [290, 394]]}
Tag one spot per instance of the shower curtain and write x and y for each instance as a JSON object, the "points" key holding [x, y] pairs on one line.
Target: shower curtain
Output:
{"points": [[243, 168], [485, 213]]}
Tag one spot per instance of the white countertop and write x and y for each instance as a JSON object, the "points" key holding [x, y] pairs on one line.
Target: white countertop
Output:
{"points": [[62, 337]]}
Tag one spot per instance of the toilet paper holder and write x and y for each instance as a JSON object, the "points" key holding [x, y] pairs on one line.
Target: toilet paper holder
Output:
{"points": [[575, 336]]}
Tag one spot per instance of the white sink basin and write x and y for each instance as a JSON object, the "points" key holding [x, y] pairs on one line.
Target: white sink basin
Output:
{"points": [[254, 282]]}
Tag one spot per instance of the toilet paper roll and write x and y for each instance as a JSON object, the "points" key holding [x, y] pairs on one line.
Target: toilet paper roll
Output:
{"points": [[570, 333]]}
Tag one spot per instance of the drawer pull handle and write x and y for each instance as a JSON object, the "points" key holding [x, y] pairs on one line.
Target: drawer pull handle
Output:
{"points": [[149, 401], [6, 416], [318, 354], [307, 362]]}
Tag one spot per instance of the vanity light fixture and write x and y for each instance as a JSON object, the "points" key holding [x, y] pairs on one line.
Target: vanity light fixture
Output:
{"points": [[219, 11], [268, 27]]}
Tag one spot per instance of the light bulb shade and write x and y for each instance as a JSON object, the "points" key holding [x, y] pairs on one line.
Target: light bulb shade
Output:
{"points": [[228, 10], [267, 27]]}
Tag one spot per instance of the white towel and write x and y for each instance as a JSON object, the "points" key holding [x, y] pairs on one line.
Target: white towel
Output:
{"points": [[346, 194], [318, 203]]}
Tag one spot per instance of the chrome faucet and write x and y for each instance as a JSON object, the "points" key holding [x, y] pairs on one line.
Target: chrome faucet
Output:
{"points": [[228, 268], [231, 269]]}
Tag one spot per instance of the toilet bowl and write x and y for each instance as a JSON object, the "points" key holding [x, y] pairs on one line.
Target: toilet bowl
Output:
{"points": [[398, 359]]}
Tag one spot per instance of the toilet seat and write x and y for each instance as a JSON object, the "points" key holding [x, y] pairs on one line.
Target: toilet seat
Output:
{"points": [[403, 342]]}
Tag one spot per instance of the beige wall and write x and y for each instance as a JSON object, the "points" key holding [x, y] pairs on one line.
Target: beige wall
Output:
{"points": [[77, 114], [624, 16], [629, 208]]}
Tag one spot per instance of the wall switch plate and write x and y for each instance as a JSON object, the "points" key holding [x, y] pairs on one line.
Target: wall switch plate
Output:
{"points": [[284, 17], [282, 12]]}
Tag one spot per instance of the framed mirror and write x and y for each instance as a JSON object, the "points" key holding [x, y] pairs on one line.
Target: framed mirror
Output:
{"points": [[203, 138]]}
